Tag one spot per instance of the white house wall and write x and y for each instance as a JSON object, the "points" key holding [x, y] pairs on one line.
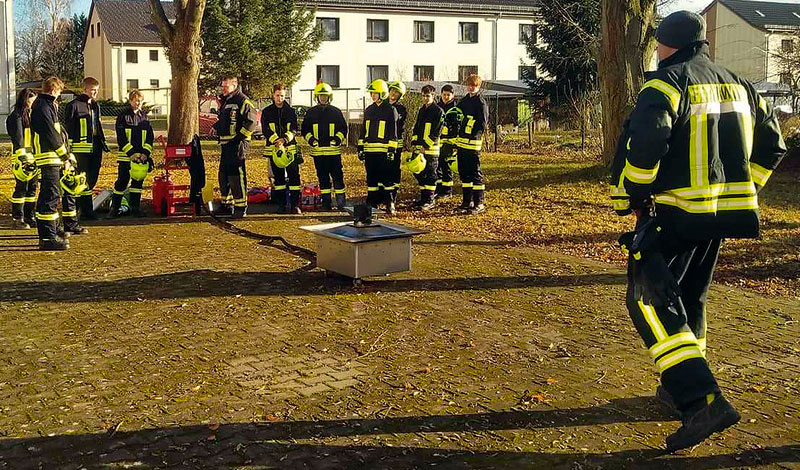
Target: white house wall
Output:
{"points": [[143, 71], [739, 46], [774, 67], [353, 53]]}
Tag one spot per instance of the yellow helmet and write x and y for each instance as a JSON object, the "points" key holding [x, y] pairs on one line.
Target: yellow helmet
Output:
{"points": [[399, 86], [282, 157], [23, 170], [380, 87], [323, 89], [73, 184], [415, 162], [139, 170]]}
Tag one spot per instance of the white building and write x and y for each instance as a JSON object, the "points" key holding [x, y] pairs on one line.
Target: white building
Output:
{"points": [[7, 76], [415, 40], [122, 49]]}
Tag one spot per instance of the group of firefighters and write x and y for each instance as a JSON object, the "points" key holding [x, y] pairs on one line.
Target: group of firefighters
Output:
{"points": [[693, 155], [65, 162]]}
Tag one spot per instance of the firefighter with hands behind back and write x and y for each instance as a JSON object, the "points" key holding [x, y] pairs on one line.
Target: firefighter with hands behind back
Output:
{"points": [[279, 125]]}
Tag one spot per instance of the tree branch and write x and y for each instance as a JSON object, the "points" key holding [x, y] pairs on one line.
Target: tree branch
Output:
{"points": [[161, 21]]}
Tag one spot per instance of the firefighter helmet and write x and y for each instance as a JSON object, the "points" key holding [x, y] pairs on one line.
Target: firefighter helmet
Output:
{"points": [[453, 118], [139, 170], [74, 184], [380, 87], [23, 170], [415, 162], [282, 157], [323, 89], [399, 86]]}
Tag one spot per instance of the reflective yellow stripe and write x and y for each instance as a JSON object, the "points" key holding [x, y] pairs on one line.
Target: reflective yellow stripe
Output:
{"points": [[17, 200], [26, 137], [295, 188], [370, 147], [325, 151], [466, 185], [279, 187], [339, 191], [331, 129], [69, 214], [289, 136], [123, 158], [759, 174], [674, 358], [246, 133], [469, 144], [426, 135], [698, 150], [640, 175], [470, 124], [61, 151], [49, 217], [672, 342], [315, 130], [372, 188], [428, 187], [274, 136], [84, 131], [714, 191], [711, 206], [30, 199], [366, 128], [340, 136], [762, 105], [381, 129], [19, 152], [652, 320], [478, 187], [325, 191], [308, 137], [48, 158], [136, 190], [672, 93]]}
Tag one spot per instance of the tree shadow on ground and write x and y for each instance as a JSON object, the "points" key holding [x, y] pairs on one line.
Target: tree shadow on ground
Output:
{"points": [[529, 178], [209, 283], [275, 444]]}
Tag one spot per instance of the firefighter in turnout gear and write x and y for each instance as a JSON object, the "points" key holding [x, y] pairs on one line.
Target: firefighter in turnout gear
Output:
{"points": [[325, 130], [425, 141], [378, 146], [86, 140], [51, 155], [279, 125], [469, 141], [698, 146], [135, 140], [237, 120], [444, 175], [26, 175], [396, 92]]}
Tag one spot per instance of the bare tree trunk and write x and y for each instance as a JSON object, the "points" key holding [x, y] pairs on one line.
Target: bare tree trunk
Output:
{"points": [[627, 28], [183, 48]]}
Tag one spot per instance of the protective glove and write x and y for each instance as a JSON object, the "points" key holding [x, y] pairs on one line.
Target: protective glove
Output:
{"points": [[335, 142], [390, 155], [71, 162], [313, 142], [361, 155], [653, 282]]}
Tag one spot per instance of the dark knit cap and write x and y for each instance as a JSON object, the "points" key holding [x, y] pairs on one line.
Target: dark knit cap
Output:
{"points": [[680, 29]]}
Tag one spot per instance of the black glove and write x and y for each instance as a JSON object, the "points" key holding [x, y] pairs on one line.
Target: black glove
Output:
{"points": [[313, 142], [653, 282], [361, 155], [335, 142]]}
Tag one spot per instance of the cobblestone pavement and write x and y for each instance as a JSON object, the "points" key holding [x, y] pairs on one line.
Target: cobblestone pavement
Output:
{"points": [[172, 344]]}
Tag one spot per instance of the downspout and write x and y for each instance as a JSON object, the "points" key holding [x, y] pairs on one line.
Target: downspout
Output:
{"points": [[494, 43], [766, 56], [119, 71]]}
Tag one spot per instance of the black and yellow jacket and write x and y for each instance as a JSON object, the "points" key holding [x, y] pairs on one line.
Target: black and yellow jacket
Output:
{"points": [[428, 128], [447, 136], [699, 144], [402, 116], [476, 118], [325, 130], [379, 130], [48, 143], [237, 118], [279, 123], [82, 121], [134, 134], [20, 136]]}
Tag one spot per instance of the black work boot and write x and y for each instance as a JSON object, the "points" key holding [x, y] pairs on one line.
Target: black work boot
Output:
{"points": [[19, 224], [53, 244], [239, 213], [222, 211], [75, 229], [113, 211], [29, 209], [295, 210], [326, 202], [341, 201], [665, 398], [135, 205], [87, 210], [466, 203], [702, 422]]}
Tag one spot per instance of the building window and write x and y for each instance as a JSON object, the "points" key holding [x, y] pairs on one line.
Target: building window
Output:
{"points": [[98, 29], [468, 33], [375, 72], [328, 74], [423, 31], [527, 32], [423, 73], [133, 84], [787, 46], [527, 72], [154, 83], [153, 55], [377, 30], [330, 28], [465, 71], [93, 30], [131, 56]]}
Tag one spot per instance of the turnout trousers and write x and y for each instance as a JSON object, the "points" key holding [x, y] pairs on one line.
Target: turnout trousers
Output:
{"points": [[287, 179], [380, 178], [427, 179], [233, 174], [329, 167], [444, 175], [469, 168], [123, 178], [47, 202], [676, 336], [90, 164], [23, 200]]}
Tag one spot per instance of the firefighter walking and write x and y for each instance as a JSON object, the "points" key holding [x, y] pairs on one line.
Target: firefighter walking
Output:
{"points": [[135, 140], [425, 143], [444, 175], [377, 146], [237, 120], [469, 141], [325, 130], [23, 165], [698, 146], [86, 140], [279, 125]]}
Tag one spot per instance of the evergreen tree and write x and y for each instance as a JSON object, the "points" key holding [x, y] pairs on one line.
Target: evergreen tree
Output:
{"points": [[263, 42], [564, 53]]}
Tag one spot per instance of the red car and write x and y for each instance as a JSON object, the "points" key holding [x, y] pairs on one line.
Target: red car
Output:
{"points": [[209, 105]]}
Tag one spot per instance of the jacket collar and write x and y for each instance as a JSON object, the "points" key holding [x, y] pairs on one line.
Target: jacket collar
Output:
{"points": [[699, 48]]}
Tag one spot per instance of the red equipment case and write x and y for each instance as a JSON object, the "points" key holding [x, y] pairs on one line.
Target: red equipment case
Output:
{"points": [[170, 198]]}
